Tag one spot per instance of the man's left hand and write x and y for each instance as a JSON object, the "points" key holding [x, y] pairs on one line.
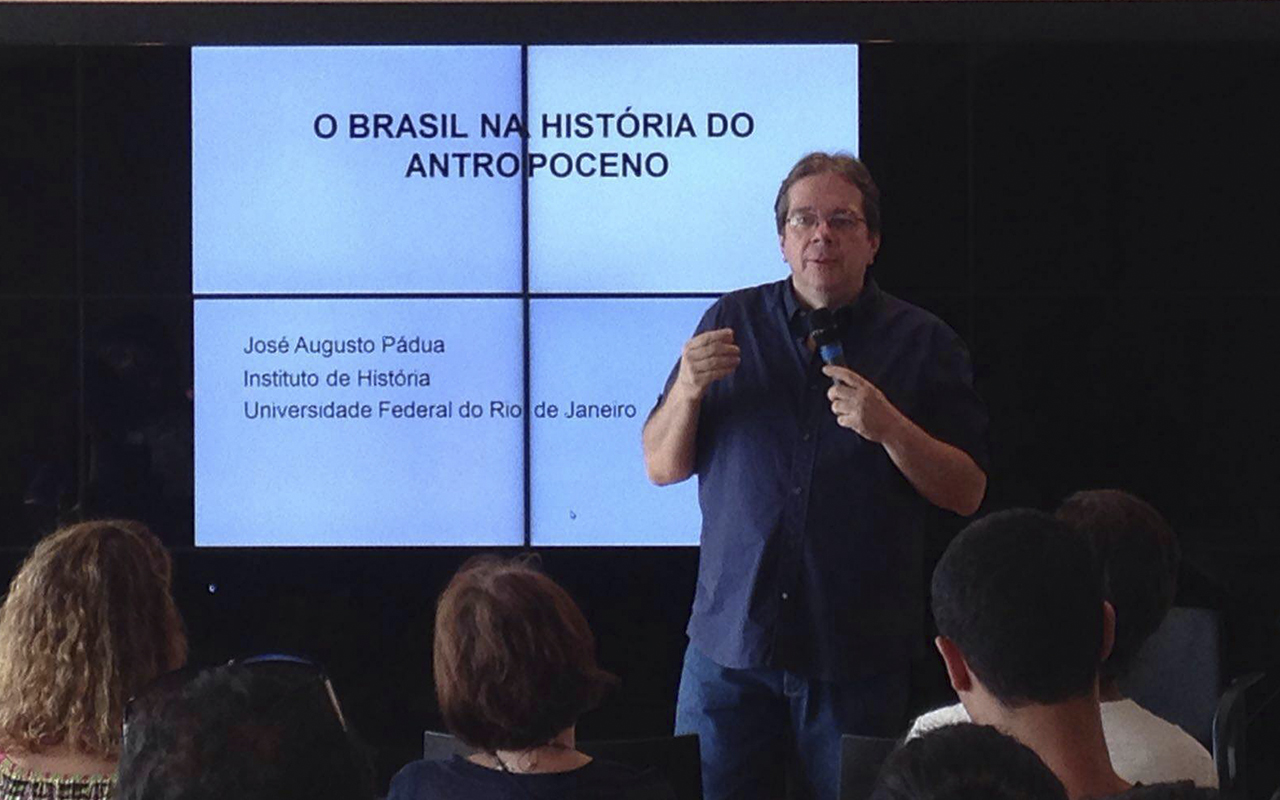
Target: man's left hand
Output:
{"points": [[859, 405]]}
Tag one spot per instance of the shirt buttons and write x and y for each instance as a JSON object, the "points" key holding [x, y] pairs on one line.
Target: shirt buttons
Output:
{"points": [[797, 490], [785, 596], [806, 437]]}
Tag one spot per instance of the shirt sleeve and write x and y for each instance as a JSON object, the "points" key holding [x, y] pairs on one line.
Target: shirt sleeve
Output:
{"points": [[954, 411]]}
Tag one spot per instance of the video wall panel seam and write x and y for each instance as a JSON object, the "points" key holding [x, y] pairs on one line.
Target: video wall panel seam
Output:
{"points": [[527, 474]]}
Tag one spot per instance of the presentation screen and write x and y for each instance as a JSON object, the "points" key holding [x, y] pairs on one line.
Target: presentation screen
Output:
{"points": [[437, 290]]}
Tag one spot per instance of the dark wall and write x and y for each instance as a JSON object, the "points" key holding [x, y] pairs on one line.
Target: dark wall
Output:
{"points": [[1096, 220]]}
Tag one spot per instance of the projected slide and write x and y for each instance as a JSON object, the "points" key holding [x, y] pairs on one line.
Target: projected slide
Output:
{"points": [[299, 159], [714, 129], [588, 477], [333, 422], [438, 289]]}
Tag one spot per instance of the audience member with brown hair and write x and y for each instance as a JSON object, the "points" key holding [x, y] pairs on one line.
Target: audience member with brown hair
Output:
{"points": [[1137, 553], [515, 668], [89, 620]]}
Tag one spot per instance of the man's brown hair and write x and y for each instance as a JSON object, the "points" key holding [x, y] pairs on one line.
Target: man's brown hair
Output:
{"points": [[514, 658], [88, 622], [842, 164]]}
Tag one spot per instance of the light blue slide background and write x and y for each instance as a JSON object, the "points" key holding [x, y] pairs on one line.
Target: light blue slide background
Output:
{"points": [[708, 225], [359, 482], [277, 209], [588, 479]]}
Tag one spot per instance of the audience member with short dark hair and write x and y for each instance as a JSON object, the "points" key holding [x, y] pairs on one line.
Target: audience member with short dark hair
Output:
{"points": [[1023, 627], [515, 668], [268, 729], [1137, 553], [88, 621], [966, 762]]}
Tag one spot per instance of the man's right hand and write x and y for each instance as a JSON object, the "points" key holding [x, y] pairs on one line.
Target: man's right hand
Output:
{"points": [[706, 358], [671, 432]]}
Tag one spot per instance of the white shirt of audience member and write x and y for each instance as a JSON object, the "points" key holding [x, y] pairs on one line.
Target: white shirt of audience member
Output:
{"points": [[1144, 748]]}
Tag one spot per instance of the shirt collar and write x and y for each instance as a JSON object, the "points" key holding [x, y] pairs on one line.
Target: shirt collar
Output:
{"points": [[846, 315]]}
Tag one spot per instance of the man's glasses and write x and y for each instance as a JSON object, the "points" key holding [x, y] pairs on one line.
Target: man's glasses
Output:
{"points": [[840, 222]]}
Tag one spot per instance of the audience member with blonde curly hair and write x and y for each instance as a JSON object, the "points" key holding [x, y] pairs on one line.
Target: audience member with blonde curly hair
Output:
{"points": [[89, 621]]}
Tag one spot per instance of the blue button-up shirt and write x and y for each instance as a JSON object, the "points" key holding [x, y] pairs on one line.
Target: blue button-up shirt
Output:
{"points": [[811, 536]]}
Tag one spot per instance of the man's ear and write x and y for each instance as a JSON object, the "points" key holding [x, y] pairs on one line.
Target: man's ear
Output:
{"points": [[957, 668], [782, 244], [1108, 630]]}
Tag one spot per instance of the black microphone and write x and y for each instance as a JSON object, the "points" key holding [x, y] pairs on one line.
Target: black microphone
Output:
{"points": [[826, 334]]}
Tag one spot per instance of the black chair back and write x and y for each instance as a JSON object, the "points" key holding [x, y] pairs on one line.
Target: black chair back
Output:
{"points": [[1246, 738], [443, 746], [676, 758], [1177, 675], [860, 761]]}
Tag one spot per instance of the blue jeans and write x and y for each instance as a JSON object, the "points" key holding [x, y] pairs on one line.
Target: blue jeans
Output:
{"points": [[753, 724]]}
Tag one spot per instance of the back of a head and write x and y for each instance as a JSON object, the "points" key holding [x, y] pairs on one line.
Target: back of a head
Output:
{"points": [[966, 762], [89, 620], [1017, 593], [243, 731], [514, 659], [1138, 556]]}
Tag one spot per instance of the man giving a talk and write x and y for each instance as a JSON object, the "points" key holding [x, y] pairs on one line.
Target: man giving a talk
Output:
{"points": [[814, 480]]}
